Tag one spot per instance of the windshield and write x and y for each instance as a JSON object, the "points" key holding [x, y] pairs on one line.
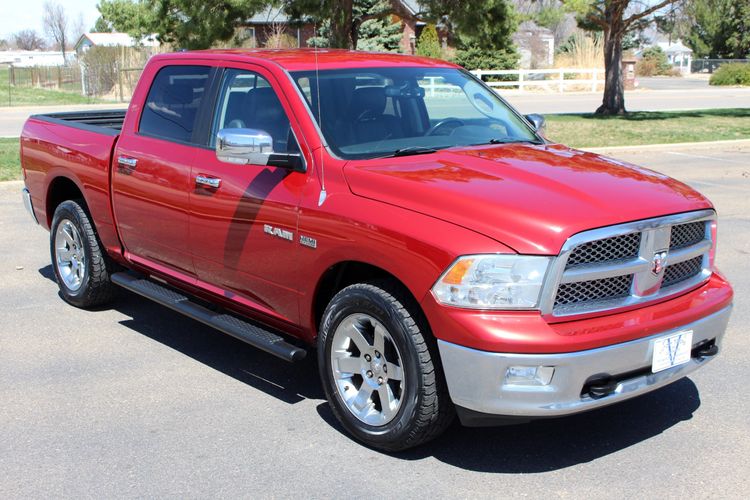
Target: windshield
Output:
{"points": [[375, 112]]}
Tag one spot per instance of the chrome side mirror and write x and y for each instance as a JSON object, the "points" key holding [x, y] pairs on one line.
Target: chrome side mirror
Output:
{"points": [[243, 146], [536, 121]]}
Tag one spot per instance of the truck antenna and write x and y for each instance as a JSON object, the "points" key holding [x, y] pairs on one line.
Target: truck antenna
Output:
{"points": [[322, 197]]}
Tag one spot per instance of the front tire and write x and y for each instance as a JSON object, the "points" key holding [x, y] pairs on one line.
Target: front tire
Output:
{"points": [[380, 370], [81, 266]]}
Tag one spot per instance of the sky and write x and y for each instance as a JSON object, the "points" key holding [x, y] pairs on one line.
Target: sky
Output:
{"points": [[16, 15]]}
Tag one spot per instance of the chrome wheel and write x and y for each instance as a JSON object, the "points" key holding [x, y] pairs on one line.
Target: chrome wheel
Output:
{"points": [[367, 369], [70, 257]]}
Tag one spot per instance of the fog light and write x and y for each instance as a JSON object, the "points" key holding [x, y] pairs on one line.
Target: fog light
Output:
{"points": [[529, 375]]}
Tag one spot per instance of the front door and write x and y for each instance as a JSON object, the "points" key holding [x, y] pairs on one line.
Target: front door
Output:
{"points": [[151, 169], [244, 227]]}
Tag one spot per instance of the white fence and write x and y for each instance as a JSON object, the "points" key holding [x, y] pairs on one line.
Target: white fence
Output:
{"points": [[551, 79]]}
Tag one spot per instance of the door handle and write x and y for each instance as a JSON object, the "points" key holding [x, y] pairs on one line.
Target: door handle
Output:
{"points": [[204, 180], [125, 161]]}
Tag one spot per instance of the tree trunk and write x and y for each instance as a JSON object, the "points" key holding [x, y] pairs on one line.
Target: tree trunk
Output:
{"points": [[342, 24], [613, 102]]}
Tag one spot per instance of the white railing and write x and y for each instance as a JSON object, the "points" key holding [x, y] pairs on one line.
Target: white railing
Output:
{"points": [[556, 78]]}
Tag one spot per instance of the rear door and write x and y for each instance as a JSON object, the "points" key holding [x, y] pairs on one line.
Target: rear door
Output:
{"points": [[151, 181], [245, 229]]}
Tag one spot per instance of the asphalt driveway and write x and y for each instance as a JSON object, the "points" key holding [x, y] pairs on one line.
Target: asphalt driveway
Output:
{"points": [[137, 401]]}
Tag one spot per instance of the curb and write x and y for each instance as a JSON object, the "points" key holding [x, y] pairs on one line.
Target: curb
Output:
{"points": [[739, 143]]}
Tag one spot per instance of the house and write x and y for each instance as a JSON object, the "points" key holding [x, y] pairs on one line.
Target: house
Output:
{"points": [[31, 58], [88, 40], [273, 20], [536, 45], [678, 55]]}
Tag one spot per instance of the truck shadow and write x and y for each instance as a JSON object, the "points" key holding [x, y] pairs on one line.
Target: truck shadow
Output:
{"points": [[557, 443], [539, 446], [287, 382]]}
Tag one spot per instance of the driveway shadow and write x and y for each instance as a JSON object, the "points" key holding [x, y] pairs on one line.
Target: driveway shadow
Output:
{"points": [[288, 382], [556, 443], [539, 446]]}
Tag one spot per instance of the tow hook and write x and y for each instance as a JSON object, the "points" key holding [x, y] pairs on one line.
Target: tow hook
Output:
{"points": [[706, 350], [600, 386]]}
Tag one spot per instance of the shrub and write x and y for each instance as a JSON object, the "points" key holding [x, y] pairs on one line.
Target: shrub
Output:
{"points": [[428, 44], [653, 62], [100, 67], [474, 57], [731, 74]]}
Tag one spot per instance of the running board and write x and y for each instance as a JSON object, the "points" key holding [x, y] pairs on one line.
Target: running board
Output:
{"points": [[231, 325]]}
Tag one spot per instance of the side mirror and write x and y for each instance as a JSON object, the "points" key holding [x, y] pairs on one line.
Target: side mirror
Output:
{"points": [[243, 146], [536, 121]]}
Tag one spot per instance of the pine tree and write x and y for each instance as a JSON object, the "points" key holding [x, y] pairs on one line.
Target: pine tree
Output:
{"points": [[428, 44]]}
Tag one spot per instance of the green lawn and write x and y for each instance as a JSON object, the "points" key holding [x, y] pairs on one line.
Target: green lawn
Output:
{"points": [[30, 96], [10, 167], [655, 127], [578, 131]]}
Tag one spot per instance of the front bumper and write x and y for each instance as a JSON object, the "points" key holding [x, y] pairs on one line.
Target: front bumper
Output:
{"points": [[476, 379], [27, 203]]}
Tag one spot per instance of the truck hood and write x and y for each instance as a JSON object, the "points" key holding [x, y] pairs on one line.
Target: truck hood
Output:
{"points": [[528, 197]]}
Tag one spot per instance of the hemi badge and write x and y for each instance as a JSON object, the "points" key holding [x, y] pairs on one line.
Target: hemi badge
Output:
{"points": [[308, 241]]}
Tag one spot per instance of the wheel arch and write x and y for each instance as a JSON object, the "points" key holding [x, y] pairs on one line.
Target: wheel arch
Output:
{"points": [[348, 272], [61, 189]]}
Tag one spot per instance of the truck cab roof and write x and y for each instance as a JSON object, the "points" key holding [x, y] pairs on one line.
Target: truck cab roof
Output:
{"points": [[308, 59]]}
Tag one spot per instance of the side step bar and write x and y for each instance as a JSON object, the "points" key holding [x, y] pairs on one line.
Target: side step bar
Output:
{"points": [[247, 332]]}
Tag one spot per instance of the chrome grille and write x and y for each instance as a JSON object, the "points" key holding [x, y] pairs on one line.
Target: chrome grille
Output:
{"points": [[682, 271], [584, 291], [629, 264], [608, 249], [685, 235]]}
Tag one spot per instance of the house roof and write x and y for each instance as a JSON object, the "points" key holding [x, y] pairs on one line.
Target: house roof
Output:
{"points": [[674, 48], [114, 40]]}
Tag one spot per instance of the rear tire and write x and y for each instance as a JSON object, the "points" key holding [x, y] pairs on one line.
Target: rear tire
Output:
{"points": [[390, 400], [81, 266]]}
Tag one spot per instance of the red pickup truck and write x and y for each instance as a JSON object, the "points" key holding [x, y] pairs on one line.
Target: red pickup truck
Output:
{"points": [[396, 214]]}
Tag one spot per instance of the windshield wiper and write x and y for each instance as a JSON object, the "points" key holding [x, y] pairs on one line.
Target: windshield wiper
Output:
{"points": [[509, 141], [408, 151], [414, 150]]}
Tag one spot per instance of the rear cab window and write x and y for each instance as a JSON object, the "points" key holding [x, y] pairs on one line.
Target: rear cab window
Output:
{"points": [[173, 102]]}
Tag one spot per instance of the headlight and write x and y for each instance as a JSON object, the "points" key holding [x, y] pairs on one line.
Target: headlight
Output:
{"points": [[493, 282]]}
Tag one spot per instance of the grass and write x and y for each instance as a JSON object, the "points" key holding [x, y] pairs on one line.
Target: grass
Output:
{"points": [[31, 96], [585, 130], [10, 165], [653, 127]]}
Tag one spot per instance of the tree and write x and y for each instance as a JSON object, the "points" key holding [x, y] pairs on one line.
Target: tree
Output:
{"points": [[483, 41], [719, 28], [101, 26], [428, 44], [28, 40], [185, 23], [375, 29], [56, 25], [615, 18], [344, 23]]}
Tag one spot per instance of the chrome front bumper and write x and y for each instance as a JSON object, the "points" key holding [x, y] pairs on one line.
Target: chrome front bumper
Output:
{"points": [[27, 203], [476, 379]]}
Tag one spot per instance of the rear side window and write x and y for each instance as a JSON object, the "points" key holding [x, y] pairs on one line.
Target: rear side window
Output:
{"points": [[173, 101]]}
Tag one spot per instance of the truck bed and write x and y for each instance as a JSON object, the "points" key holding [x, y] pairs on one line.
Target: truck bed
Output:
{"points": [[107, 122]]}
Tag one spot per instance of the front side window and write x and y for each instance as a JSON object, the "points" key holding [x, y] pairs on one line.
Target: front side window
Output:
{"points": [[247, 101], [173, 101], [373, 112]]}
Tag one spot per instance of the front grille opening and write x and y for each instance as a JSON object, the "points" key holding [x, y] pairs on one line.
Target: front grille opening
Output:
{"points": [[685, 235], [625, 246], [593, 290], [682, 271]]}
